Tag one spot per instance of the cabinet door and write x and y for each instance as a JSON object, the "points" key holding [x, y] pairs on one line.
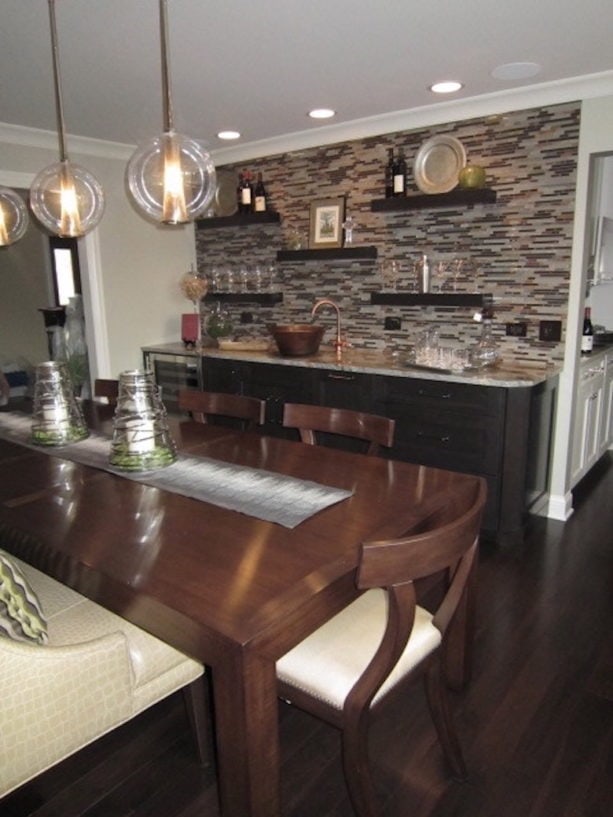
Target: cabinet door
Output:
{"points": [[222, 375], [588, 422], [607, 412], [278, 385]]}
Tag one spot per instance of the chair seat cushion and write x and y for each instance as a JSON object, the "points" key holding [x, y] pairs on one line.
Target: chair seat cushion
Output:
{"points": [[21, 613], [327, 664]]}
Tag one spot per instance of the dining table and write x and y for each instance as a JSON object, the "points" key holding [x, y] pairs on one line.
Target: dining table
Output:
{"points": [[232, 590]]}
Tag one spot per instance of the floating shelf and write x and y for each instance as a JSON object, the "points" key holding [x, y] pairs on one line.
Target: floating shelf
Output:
{"points": [[430, 298], [334, 253], [455, 198], [238, 220], [265, 298]]}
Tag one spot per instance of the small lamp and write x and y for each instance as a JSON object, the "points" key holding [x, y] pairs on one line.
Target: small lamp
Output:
{"points": [[13, 217], [171, 177], [65, 197]]}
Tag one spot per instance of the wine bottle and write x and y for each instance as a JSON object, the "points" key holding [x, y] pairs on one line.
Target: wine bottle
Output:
{"points": [[389, 174], [259, 195], [246, 193], [587, 338], [400, 174]]}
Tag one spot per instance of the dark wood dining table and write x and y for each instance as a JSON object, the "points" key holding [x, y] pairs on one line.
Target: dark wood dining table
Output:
{"points": [[233, 591]]}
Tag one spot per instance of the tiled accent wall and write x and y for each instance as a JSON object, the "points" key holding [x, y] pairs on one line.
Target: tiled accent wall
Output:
{"points": [[517, 249]]}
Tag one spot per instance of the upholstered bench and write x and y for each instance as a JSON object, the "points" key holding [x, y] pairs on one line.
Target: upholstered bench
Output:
{"points": [[94, 672]]}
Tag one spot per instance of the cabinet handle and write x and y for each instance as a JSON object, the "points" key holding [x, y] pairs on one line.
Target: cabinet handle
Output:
{"points": [[444, 439], [341, 377], [423, 393]]}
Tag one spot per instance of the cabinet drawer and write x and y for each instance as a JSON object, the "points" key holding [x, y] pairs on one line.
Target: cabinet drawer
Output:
{"points": [[444, 426], [434, 393]]}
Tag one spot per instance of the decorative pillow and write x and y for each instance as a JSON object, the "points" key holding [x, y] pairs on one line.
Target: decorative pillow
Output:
{"points": [[21, 615]]}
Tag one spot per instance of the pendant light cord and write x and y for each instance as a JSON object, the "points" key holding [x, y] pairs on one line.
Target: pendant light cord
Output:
{"points": [[57, 82], [167, 101]]}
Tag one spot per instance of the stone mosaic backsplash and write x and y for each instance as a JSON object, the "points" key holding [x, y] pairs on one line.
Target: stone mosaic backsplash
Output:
{"points": [[518, 249]]}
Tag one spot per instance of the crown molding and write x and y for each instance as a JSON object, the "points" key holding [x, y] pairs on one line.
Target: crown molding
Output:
{"points": [[574, 89]]}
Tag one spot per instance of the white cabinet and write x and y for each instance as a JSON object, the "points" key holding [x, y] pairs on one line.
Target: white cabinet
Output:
{"points": [[589, 423], [607, 414]]}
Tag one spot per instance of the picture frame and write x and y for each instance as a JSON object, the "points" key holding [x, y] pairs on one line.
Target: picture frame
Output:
{"points": [[326, 223]]}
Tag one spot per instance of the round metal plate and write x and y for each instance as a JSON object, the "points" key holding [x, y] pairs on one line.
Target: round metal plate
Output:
{"points": [[438, 164]]}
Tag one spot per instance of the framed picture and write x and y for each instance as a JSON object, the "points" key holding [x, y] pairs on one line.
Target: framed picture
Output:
{"points": [[326, 225]]}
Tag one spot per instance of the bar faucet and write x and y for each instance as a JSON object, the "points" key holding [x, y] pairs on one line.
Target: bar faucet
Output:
{"points": [[338, 344]]}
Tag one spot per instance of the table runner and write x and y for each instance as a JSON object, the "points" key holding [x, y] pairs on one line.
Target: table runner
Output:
{"points": [[288, 501]]}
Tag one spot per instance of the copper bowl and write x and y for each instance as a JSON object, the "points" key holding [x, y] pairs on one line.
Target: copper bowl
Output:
{"points": [[296, 339]]}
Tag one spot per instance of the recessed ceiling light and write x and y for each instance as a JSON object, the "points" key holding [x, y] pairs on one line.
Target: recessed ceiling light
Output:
{"points": [[321, 113], [516, 70], [449, 86], [228, 134]]}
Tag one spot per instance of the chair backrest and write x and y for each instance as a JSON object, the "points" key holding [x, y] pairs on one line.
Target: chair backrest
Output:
{"points": [[448, 545], [205, 404], [372, 428], [107, 388]]}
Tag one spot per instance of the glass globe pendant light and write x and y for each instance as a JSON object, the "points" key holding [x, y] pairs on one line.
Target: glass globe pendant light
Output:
{"points": [[171, 177], [65, 197], [13, 217]]}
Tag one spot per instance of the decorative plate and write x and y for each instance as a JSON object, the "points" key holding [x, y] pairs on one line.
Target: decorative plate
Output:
{"points": [[438, 163], [225, 201]]}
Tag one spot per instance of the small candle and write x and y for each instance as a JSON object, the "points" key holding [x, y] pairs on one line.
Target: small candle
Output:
{"points": [[140, 436]]}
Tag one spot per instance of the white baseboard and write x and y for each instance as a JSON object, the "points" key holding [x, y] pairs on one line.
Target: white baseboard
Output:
{"points": [[560, 506]]}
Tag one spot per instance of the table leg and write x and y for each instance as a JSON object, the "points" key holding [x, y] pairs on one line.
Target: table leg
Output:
{"points": [[247, 735]]}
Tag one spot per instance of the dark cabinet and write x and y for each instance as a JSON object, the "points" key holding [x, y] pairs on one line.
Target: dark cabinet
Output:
{"points": [[476, 429]]}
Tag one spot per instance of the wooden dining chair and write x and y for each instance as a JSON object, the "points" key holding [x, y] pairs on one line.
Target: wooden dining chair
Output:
{"points": [[205, 404], [107, 388], [309, 420], [350, 665]]}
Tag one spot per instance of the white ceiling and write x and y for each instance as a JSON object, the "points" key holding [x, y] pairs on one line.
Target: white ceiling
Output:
{"points": [[259, 65]]}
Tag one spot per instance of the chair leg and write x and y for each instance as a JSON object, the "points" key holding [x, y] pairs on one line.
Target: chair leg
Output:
{"points": [[439, 709], [197, 704], [357, 770]]}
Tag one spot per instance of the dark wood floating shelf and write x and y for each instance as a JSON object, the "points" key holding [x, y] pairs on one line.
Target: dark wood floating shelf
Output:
{"points": [[455, 198], [334, 253], [238, 220], [265, 298], [430, 298]]}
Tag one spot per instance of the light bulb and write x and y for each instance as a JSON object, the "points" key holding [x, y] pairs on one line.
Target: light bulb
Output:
{"points": [[13, 217], [172, 178], [67, 199]]}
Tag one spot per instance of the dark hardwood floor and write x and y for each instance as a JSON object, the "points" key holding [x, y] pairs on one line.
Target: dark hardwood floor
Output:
{"points": [[536, 721]]}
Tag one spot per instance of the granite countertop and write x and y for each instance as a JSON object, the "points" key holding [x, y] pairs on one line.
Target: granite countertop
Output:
{"points": [[504, 374]]}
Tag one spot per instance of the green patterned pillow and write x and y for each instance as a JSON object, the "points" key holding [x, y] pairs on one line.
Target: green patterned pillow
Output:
{"points": [[21, 615]]}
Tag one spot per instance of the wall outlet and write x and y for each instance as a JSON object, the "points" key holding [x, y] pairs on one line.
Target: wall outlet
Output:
{"points": [[550, 330], [519, 329], [393, 324]]}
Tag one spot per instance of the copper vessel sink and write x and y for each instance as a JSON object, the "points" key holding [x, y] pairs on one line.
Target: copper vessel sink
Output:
{"points": [[297, 339]]}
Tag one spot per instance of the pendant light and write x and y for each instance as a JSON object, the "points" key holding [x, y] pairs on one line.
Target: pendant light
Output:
{"points": [[65, 197], [171, 177], [13, 217]]}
